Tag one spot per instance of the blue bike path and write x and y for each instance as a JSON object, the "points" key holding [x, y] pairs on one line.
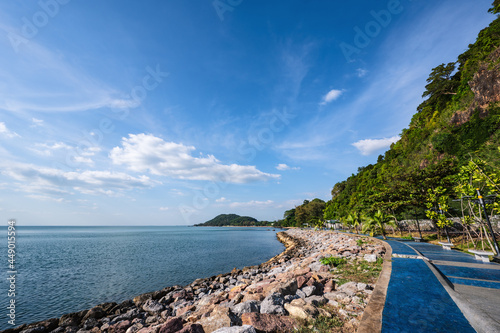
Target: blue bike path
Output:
{"points": [[416, 301]]}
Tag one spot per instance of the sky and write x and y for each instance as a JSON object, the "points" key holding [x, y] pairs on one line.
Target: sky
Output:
{"points": [[172, 112]]}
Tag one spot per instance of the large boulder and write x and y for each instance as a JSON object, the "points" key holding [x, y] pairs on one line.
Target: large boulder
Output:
{"points": [[220, 317], [263, 322], [152, 307], [172, 325], [249, 306], [273, 304]]}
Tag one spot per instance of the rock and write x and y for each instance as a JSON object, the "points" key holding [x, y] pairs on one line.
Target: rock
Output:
{"points": [[329, 286], [237, 329], [349, 288], [172, 325], [288, 288], [370, 257], [301, 310], [315, 266], [316, 300], [301, 281], [362, 286], [134, 328], [273, 304], [249, 306], [220, 317], [141, 299], [120, 327], [185, 310], [152, 307], [192, 328], [72, 319], [38, 329], [263, 322], [301, 294], [150, 329], [96, 312], [90, 323], [334, 296], [289, 298], [309, 290]]}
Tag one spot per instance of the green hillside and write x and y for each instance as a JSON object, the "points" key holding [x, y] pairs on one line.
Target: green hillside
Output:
{"points": [[450, 148], [455, 127], [229, 220]]}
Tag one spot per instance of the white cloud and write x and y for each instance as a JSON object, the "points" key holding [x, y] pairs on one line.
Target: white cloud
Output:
{"points": [[39, 79], [222, 199], [369, 146], [284, 167], [56, 182], [360, 72], [145, 152], [252, 204], [331, 96], [36, 122], [6, 132], [164, 208]]}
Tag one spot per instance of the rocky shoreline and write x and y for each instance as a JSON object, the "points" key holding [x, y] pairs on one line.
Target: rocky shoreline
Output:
{"points": [[277, 296]]}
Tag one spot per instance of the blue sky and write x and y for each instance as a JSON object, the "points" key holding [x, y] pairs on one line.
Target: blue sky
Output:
{"points": [[171, 112]]}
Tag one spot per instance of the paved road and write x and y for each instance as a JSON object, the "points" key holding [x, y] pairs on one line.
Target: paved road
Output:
{"points": [[436, 290]]}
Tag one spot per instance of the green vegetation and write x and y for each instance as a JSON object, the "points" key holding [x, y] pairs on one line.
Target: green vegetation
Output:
{"points": [[333, 261], [231, 220], [323, 323], [310, 213], [449, 149], [358, 271]]}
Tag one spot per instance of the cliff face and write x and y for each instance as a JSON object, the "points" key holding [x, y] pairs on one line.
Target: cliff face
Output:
{"points": [[486, 82]]}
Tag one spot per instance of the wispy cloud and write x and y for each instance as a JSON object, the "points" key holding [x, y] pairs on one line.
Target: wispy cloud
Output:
{"points": [[361, 72], [252, 204], [4, 131], [54, 182], [145, 152], [41, 80], [331, 96], [284, 167], [369, 146]]}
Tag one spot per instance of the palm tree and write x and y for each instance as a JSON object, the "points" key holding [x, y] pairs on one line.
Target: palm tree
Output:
{"points": [[378, 222], [354, 219]]}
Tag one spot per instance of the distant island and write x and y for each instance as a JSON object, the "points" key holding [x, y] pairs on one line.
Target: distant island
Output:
{"points": [[226, 220]]}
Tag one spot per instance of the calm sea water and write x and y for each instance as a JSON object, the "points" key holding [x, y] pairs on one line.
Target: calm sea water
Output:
{"points": [[68, 269]]}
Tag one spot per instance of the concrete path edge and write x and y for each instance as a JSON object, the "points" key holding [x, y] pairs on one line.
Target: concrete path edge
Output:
{"points": [[371, 321], [477, 319]]}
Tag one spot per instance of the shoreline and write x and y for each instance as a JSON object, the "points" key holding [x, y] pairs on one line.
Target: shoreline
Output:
{"points": [[276, 295]]}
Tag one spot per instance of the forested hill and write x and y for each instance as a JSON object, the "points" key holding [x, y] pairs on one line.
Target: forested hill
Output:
{"points": [[229, 220], [453, 136]]}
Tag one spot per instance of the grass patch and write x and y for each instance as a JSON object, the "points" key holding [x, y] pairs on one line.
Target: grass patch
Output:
{"points": [[323, 323], [358, 271], [407, 237], [333, 261]]}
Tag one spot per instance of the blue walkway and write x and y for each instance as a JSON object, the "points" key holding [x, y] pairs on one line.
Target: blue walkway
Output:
{"points": [[416, 301]]}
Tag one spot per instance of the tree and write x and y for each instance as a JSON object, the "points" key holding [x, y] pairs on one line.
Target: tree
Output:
{"points": [[378, 222], [496, 7], [441, 81], [354, 219]]}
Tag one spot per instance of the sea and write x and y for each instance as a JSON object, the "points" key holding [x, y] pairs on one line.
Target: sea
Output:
{"points": [[60, 270]]}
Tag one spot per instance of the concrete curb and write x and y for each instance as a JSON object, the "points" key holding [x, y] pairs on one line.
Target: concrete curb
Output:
{"points": [[371, 321]]}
